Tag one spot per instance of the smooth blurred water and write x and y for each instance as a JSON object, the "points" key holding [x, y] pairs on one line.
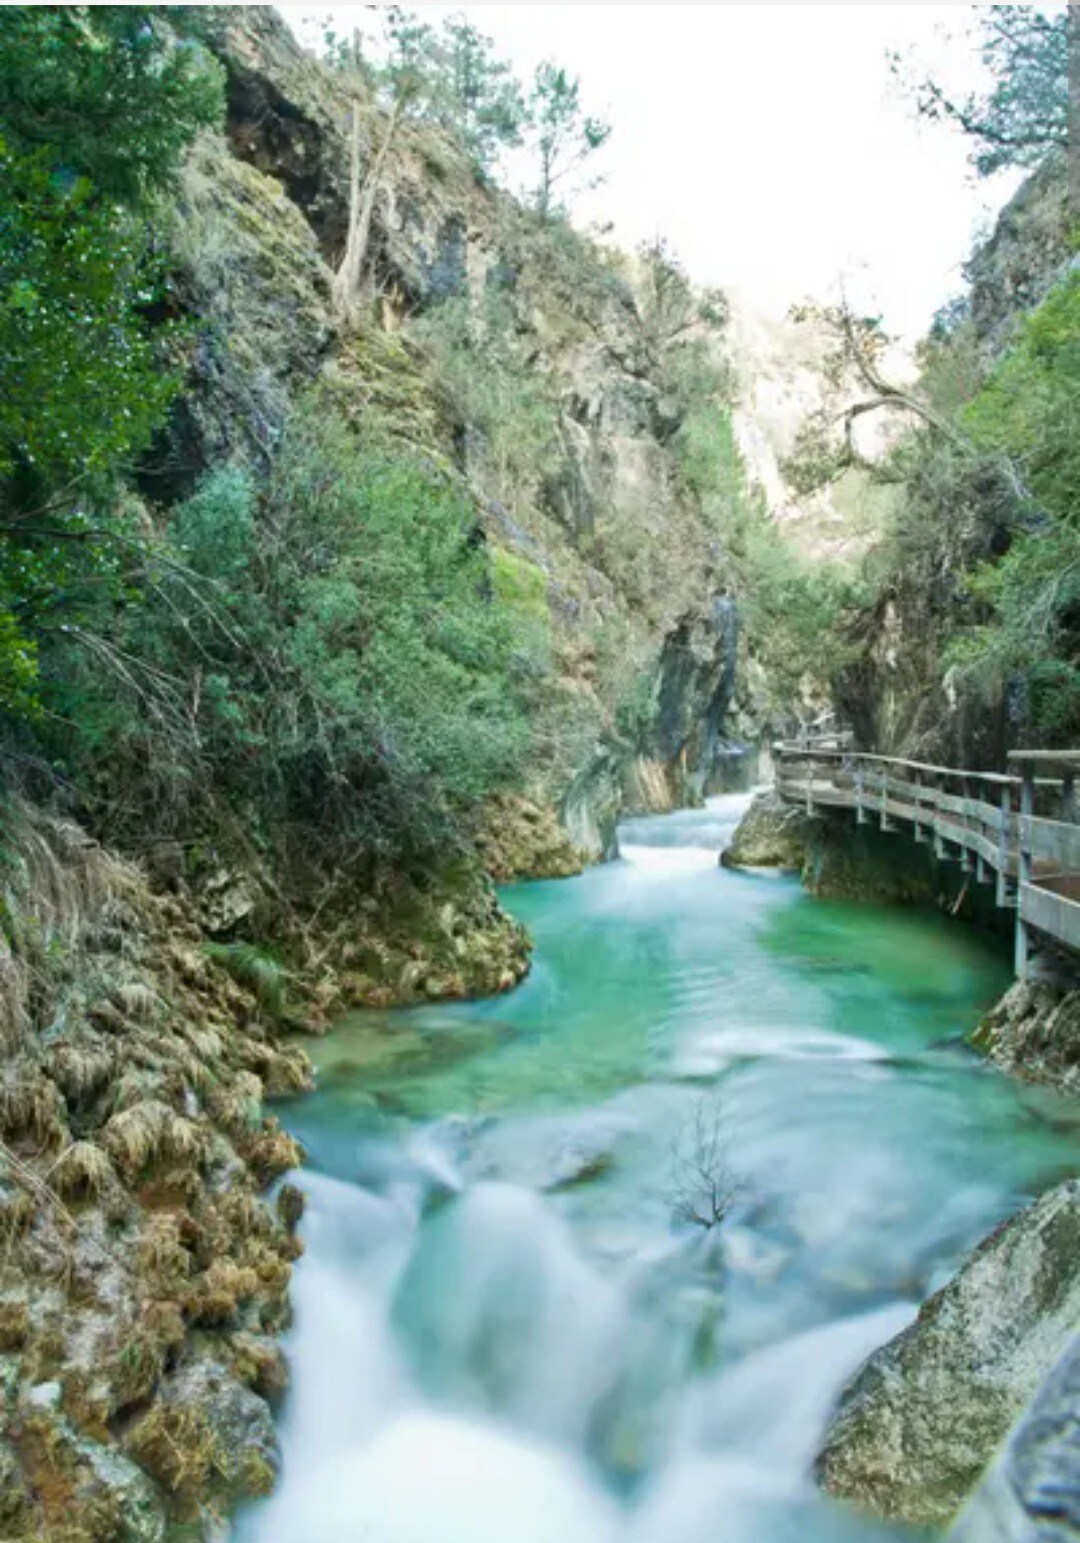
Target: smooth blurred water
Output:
{"points": [[508, 1331]]}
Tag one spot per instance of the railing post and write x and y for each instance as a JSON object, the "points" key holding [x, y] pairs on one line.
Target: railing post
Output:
{"points": [[1068, 800], [860, 810], [939, 840], [965, 827], [1027, 809], [919, 837], [1002, 895]]}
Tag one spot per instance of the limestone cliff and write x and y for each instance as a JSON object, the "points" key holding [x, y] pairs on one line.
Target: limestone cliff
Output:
{"points": [[787, 373], [601, 530]]}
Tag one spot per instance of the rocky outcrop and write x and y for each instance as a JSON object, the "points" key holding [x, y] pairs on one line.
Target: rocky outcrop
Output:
{"points": [[591, 805], [1031, 1494], [916, 1428], [519, 839], [771, 834], [1034, 1032], [145, 1268], [1027, 252], [695, 690], [408, 939]]}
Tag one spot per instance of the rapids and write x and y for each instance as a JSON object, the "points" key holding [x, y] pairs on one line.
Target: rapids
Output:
{"points": [[507, 1327]]}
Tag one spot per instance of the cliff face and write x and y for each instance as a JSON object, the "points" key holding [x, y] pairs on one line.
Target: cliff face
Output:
{"points": [[600, 528], [787, 373], [1025, 255]]}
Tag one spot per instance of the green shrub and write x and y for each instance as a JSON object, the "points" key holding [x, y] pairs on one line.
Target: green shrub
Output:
{"points": [[330, 655]]}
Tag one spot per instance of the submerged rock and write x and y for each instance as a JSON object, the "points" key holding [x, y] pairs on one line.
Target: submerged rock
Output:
{"points": [[1032, 1492], [771, 834], [919, 1423]]}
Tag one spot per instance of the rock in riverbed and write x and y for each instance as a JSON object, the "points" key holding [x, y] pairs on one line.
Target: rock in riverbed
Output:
{"points": [[771, 834], [920, 1422], [1032, 1492]]}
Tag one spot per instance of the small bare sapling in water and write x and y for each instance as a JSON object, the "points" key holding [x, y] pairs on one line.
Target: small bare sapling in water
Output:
{"points": [[704, 1186]]}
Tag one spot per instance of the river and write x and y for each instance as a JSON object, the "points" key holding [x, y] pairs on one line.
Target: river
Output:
{"points": [[511, 1327]]}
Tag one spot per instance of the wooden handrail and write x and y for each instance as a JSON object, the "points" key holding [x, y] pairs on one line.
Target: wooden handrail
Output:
{"points": [[793, 750]]}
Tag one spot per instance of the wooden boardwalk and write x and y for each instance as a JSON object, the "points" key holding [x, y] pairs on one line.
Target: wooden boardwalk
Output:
{"points": [[1018, 832]]}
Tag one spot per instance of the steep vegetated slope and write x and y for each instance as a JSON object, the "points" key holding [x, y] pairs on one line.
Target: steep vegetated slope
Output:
{"points": [[329, 591], [477, 540]]}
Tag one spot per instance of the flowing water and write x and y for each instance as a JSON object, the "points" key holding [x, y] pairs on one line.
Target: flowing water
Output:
{"points": [[510, 1328]]}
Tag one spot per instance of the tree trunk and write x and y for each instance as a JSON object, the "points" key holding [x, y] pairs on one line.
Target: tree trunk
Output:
{"points": [[349, 277]]}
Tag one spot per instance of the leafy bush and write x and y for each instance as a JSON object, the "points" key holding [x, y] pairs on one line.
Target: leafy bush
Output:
{"points": [[111, 93], [1030, 406], [96, 106], [81, 390], [332, 656]]}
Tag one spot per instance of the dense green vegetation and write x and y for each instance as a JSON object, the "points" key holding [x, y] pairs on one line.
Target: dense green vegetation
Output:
{"points": [[978, 568], [323, 652], [326, 647], [1028, 412], [982, 551], [322, 649], [98, 106]]}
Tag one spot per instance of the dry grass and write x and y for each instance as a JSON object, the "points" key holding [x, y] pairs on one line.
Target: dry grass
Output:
{"points": [[80, 1068], [14, 1323], [138, 1001], [284, 1069], [237, 1105], [83, 1171], [218, 1293], [272, 1152], [175, 1444], [260, 1363], [55, 880], [31, 1108], [150, 1132], [164, 1264]]}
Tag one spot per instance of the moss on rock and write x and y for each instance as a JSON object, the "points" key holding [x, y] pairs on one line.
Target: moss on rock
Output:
{"points": [[1034, 1032], [134, 1153], [520, 839]]}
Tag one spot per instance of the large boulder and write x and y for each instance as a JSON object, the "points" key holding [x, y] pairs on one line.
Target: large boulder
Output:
{"points": [[920, 1422], [771, 834], [1032, 1492]]}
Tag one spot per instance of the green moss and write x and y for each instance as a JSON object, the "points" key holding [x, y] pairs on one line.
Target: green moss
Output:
{"points": [[519, 584]]}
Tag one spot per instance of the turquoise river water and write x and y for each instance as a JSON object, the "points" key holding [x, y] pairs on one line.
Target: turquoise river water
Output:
{"points": [[509, 1326]]}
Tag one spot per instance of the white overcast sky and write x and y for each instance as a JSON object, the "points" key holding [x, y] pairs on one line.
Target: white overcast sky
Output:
{"points": [[767, 142]]}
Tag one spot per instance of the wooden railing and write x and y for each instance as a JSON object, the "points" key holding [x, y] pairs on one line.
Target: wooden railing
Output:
{"points": [[1019, 832]]}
